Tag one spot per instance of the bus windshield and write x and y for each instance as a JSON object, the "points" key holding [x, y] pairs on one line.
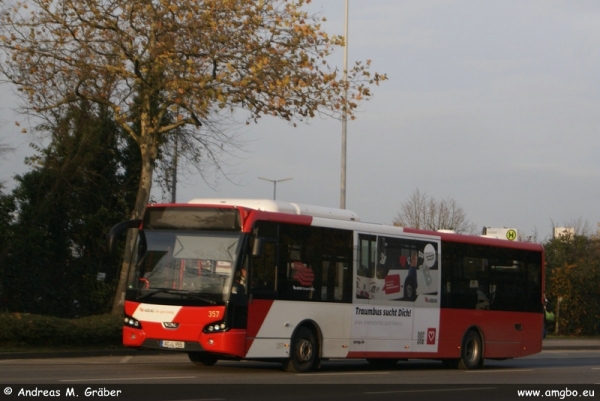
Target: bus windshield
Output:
{"points": [[173, 266]]}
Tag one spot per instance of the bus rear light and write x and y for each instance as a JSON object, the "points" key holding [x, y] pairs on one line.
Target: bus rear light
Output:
{"points": [[131, 322]]}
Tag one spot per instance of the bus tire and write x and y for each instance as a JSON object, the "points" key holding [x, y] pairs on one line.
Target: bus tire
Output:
{"points": [[202, 358], [303, 352], [471, 352]]}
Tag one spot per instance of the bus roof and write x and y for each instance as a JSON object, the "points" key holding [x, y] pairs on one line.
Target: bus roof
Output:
{"points": [[268, 205], [349, 218]]}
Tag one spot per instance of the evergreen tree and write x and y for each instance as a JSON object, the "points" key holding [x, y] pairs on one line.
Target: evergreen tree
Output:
{"points": [[82, 184]]}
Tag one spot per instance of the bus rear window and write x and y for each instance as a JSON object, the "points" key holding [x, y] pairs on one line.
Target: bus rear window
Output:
{"points": [[192, 218]]}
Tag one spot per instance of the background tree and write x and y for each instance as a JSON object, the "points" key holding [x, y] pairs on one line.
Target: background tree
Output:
{"points": [[580, 226], [425, 212], [195, 59], [6, 216], [573, 276], [79, 186], [4, 149]]}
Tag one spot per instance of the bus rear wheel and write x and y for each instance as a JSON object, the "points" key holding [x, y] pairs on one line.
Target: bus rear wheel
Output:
{"points": [[303, 352], [202, 358], [471, 353]]}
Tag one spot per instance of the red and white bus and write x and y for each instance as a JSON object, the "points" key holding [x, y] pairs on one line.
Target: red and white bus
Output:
{"points": [[270, 280]]}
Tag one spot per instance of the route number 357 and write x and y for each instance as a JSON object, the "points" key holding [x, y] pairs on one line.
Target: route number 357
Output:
{"points": [[213, 313]]}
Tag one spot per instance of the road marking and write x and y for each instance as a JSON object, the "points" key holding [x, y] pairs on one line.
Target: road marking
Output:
{"points": [[130, 378], [343, 373], [126, 359], [499, 370], [432, 390]]}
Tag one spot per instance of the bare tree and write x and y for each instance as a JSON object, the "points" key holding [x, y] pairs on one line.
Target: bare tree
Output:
{"points": [[4, 149], [425, 212], [162, 66], [580, 226]]}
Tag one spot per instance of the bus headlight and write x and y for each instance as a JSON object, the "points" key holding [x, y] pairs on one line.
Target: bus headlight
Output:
{"points": [[131, 322], [216, 327]]}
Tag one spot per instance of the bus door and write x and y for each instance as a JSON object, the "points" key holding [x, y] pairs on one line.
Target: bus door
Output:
{"points": [[262, 288], [365, 273]]}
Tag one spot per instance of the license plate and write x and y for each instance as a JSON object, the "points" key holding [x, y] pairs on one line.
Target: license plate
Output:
{"points": [[172, 344]]}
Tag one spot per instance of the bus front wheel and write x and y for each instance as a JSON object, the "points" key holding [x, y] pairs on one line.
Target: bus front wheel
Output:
{"points": [[471, 353], [303, 352]]}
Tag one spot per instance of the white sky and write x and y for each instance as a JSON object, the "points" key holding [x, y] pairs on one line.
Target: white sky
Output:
{"points": [[495, 104]]}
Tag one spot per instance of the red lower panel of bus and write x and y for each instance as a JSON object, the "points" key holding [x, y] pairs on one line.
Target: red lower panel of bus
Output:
{"points": [[504, 334], [230, 343], [182, 329]]}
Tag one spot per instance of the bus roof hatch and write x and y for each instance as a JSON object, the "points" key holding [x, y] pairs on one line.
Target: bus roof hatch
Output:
{"points": [[283, 207]]}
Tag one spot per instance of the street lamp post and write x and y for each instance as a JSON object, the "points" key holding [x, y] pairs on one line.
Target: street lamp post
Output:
{"points": [[274, 184], [344, 113]]}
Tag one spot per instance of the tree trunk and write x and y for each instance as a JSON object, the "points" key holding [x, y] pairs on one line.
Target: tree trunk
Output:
{"points": [[148, 153]]}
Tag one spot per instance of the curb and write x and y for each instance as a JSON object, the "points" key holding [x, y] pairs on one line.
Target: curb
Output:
{"points": [[567, 345], [76, 354]]}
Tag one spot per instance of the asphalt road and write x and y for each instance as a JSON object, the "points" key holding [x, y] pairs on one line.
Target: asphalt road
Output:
{"points": [[151, 376], [575, 366]]}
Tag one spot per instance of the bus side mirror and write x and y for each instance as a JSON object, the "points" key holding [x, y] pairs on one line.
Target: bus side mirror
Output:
{"points": [[119, 229], [257, 246]]}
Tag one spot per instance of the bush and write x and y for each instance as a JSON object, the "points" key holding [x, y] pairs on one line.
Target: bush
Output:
{"points": [[573, 277], [26, 330]]}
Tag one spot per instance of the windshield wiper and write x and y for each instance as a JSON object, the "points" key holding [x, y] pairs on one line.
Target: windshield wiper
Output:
{"points": [[198, 296], [156, 291], [181, 293]]}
